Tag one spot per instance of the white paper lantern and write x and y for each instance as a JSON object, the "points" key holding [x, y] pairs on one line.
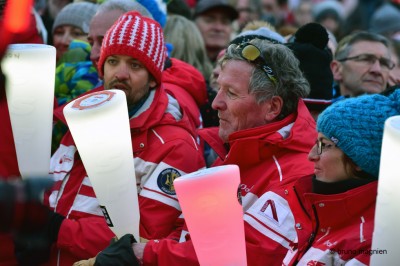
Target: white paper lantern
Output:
{"points": [[99, 124], [387, 214], [30, 75]]}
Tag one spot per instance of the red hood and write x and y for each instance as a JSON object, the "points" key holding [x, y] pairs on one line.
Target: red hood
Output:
{"points": [[185, 76]]}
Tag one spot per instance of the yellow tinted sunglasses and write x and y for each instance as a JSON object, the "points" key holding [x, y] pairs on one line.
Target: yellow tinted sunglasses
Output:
{"points": [[252, 54]]}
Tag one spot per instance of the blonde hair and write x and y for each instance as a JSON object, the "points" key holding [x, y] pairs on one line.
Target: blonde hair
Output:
{"points": [[188, 43], [256, 24]]}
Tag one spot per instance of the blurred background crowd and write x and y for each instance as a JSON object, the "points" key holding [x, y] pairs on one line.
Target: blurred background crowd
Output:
{"points": [[346, 48]]}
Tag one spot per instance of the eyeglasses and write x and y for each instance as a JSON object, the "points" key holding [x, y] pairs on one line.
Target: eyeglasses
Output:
{"points": [[370, 59], [252, 53], [322, 146]]}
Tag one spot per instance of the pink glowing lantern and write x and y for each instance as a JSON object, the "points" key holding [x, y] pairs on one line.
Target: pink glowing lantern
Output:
{"points": [[213, 214]]}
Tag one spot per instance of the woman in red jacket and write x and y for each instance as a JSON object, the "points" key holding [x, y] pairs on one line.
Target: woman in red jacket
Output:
{"points": [[334, 209]]}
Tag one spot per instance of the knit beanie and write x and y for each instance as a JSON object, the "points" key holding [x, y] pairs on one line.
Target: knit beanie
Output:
{"points": [[385, 20], [309, 45], [261, 33], [328, 8], [157, 8], [356, 126], [136, 36], [76, 14]]}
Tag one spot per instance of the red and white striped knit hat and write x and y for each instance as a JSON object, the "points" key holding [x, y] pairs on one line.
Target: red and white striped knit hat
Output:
{"points": [[136, 36]]}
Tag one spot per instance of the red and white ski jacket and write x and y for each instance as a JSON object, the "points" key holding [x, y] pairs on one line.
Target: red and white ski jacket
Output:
{"points": [[164, 147], [332, 229], [271, 158]]}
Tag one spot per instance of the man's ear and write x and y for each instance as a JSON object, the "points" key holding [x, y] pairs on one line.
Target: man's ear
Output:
{"points": [[336, 68], [273, 108], [152, 83]]}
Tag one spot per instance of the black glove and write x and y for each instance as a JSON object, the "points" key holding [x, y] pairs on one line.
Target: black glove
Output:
{"points": [[118, 253], [32, 247]]}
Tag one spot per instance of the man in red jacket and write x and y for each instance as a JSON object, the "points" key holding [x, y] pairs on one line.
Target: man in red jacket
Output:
{"points": [[265, 129], [163, 141]]}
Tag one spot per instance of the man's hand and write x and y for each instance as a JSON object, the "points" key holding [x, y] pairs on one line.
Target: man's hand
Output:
{"points": [[138, 249], [118, 253]]}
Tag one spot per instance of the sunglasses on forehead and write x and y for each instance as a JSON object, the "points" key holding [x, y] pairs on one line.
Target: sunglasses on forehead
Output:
{"points": [[252, 54]]}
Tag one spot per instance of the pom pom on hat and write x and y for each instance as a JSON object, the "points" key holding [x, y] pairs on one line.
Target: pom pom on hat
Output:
{"points": [[310, 48], [76, 14], [356, 126], [136, 36], [312, 33]]}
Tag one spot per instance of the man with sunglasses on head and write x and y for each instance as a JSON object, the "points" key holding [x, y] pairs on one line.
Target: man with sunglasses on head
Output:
{"points": [[265, 129], [362, 64]]}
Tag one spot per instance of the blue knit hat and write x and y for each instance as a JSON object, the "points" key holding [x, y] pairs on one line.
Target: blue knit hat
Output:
{"points": [[356, 125], [157, 8]]}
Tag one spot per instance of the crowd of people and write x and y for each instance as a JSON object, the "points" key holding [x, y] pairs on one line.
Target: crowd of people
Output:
{"points": [[295, 93]]}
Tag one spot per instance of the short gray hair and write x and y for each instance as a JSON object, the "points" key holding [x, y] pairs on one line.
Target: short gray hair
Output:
{"points": [[346, 43], [291, 84]]}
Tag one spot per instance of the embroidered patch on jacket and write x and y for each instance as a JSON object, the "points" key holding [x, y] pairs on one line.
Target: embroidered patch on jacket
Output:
{"points": [[274, 211], [165, 180]]}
